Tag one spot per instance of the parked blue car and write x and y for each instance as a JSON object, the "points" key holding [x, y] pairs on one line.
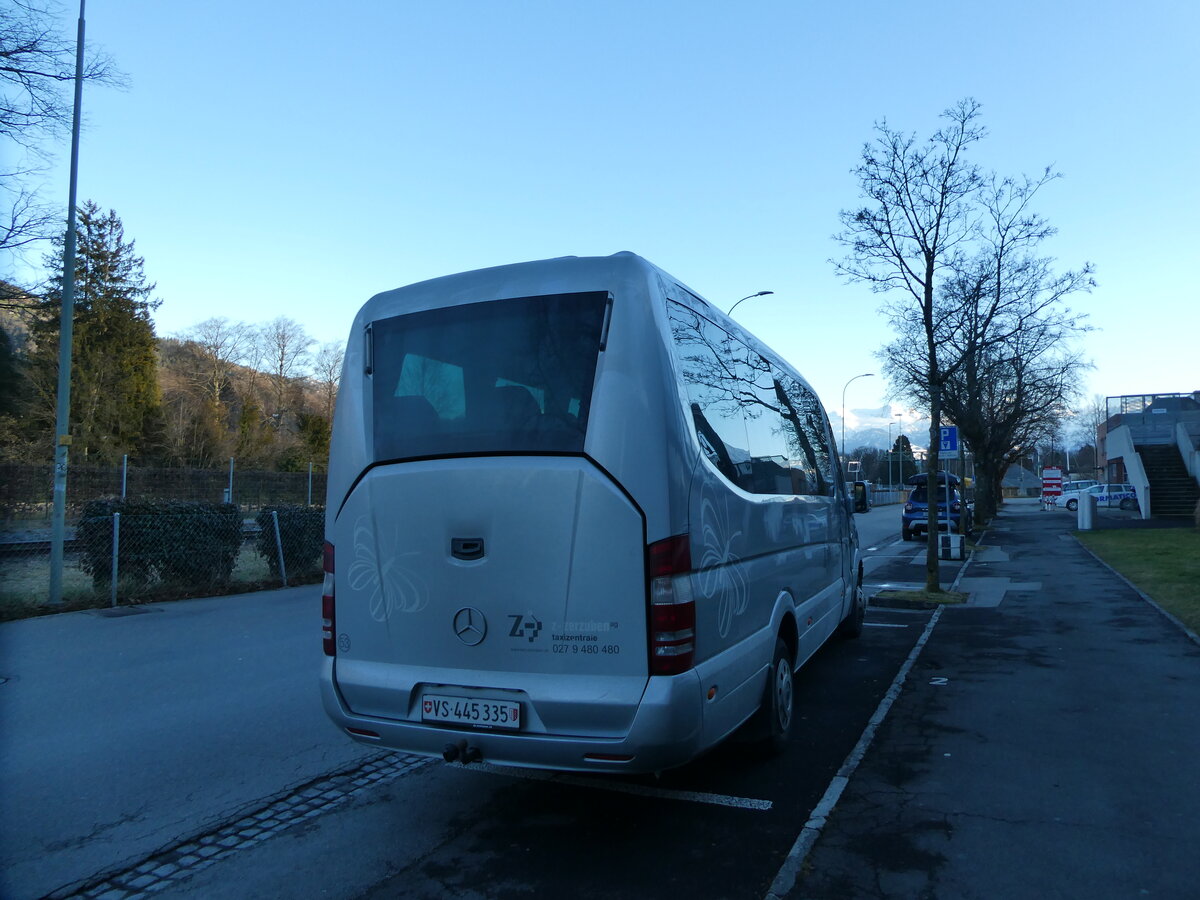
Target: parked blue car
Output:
{"points": [[914, 520]]}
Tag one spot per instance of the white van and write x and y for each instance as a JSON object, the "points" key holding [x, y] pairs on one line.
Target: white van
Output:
{"points": [[577, 519]]}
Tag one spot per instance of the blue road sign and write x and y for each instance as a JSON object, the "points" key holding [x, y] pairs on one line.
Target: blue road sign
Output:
{"points": [[948, 442]]}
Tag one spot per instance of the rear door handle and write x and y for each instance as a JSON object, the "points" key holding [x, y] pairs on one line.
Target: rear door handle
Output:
{"points": [[466, 548]]}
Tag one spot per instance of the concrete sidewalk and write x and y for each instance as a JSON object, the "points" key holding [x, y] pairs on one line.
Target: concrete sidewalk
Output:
{"points": [[1046, 742]]}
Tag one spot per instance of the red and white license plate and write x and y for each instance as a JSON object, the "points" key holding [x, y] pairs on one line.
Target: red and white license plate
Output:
{"points": [[471, 711]]}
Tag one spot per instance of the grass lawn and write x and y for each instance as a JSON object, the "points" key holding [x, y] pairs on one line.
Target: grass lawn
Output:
{"points": [[25, 585], [1163, 563]]}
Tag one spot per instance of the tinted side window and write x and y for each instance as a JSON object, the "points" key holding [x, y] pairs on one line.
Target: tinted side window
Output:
{"points": [[740, 410], [807, 432], [714, 381], [771, 449]]}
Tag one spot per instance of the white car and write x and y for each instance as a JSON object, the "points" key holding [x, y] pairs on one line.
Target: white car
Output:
{"points": [[1069, 489], [1122, 495]]}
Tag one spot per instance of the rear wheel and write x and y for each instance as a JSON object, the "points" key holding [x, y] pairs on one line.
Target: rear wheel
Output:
{"points": [[1129, 503], [852, 626], [774, 718], [1072, 505]]}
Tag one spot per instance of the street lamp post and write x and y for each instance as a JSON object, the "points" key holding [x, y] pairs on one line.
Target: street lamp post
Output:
{"points": [[846, 385], [62, 419], [891, 450], [891, 479], [747, 297]]}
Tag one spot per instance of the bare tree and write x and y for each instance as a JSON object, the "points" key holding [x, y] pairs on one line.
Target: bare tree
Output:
{"points": [[27, 219], [916, 224], [37, 67], [285, 346], [1090, 417], [221, 345], [327, 372], [1005, 335]]}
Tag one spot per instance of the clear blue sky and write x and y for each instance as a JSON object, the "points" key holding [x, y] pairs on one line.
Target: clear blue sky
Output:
{"points": [[295, 158]]}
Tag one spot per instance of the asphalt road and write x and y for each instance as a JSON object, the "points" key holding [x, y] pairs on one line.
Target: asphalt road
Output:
{"points": [[878, 528], [129, 734], [1043, 744], [720, 827], [122, 734]]}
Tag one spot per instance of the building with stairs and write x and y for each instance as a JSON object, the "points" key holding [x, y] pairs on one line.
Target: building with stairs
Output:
{"points": [[1153, 442]]}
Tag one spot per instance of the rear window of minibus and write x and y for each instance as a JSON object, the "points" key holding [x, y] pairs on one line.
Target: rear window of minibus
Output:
{"points": [[501, 376]]}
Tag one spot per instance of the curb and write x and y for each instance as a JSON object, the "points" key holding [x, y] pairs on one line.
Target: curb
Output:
{"points": [[789, 873], [878, 601], [184, 857], [785, 880]]}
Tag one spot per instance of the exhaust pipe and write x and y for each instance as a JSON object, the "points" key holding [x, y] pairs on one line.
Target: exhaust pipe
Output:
{"points": [[460, 752]]}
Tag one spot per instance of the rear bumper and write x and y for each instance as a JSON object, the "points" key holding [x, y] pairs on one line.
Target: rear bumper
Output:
{"points": [[666, 732], [919, 525]]}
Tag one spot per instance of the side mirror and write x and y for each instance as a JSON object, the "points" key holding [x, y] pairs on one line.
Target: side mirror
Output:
{"points": [[862, 503]]}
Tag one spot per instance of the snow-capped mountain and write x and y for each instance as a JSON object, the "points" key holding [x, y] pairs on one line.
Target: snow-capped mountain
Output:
{"points": [[869, 427]]}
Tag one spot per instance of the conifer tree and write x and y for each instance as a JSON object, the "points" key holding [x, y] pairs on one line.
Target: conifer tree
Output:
{"points": [[116, 405]]}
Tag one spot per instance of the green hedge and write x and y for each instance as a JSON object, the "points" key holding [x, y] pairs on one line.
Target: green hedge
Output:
{"points": [[190, 542], [302, 533]]}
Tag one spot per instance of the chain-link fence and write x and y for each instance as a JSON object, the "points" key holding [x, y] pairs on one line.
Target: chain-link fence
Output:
{"points": [[131, 551], [27, 490]]}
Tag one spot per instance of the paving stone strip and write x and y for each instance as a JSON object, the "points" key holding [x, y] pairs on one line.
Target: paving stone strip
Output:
{"points": [[179, 860]]}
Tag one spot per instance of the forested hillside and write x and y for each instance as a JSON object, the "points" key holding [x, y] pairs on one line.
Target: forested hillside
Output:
{"points": [[261, 392]]}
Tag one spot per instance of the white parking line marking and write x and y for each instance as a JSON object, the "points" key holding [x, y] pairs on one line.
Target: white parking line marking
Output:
{"points": [[882, 625], [622, 788]]}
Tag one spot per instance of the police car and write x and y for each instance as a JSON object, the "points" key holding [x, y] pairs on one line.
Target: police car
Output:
{"points": [[1121, 495]]}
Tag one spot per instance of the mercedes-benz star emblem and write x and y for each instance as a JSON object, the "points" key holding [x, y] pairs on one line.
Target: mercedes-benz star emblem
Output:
{"points": [[470, 625]]}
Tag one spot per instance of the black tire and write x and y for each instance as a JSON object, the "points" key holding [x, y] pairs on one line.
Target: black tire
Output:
{"points": [[1072, 505], [906, 533], [774, 718], [852, 626], [1129, 503]]}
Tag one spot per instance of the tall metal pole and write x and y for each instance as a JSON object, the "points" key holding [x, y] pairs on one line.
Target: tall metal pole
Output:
{"points": [[62, 425], [893, 444], [846, 385], [891, 483]]}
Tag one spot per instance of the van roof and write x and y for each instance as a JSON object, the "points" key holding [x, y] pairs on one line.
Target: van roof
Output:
{"points": [[563, 274]]}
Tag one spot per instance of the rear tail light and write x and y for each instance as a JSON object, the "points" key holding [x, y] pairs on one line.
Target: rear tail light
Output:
{"points": [[672, 607], [328, 617]]}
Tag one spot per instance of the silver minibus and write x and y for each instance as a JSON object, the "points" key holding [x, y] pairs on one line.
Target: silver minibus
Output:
{"points": [[577, 519]]}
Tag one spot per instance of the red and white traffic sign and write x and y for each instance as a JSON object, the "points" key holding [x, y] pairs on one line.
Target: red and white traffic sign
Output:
{"points": [[1052, 482]]}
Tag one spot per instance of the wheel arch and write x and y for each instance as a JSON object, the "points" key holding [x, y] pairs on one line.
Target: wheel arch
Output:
{"points": [[789, 633]]}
